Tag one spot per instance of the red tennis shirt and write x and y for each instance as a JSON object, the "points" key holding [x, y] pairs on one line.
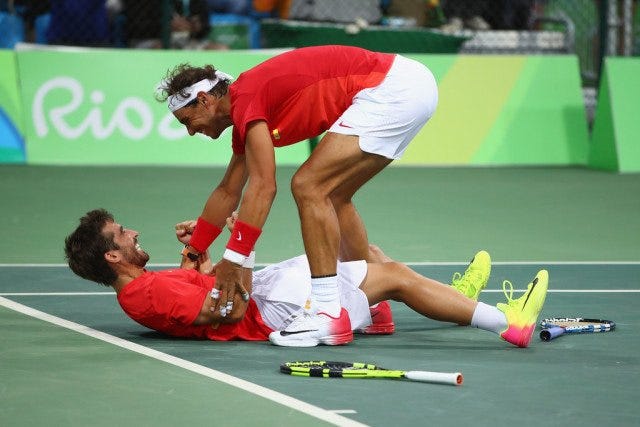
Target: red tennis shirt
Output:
{"points": [[301, 93], [169, 301]]}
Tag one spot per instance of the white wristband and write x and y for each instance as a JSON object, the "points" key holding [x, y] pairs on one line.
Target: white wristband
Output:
{"points": [[234, 257], [250, 262]]}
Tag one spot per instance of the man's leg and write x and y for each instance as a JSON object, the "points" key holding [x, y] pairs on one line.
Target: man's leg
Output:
{"points": [[381, 314], [336, 162], [393, 280], [514, 321], [354, 243], [336, 169]]}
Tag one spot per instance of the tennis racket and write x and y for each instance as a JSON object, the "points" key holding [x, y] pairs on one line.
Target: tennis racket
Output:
{"points": [[324, 369], [556, 326]]}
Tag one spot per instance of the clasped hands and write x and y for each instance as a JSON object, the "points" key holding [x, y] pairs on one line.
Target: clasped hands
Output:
{"points": [[228, 274]]}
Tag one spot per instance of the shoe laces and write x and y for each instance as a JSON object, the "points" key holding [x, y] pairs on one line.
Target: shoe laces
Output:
{"points": [[507, 288], [466, 281], [456, 277], [295, 318]]}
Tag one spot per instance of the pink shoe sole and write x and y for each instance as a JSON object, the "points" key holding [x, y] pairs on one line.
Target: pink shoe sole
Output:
{"points": [[341, 332], [518, 336], [382, 319]]}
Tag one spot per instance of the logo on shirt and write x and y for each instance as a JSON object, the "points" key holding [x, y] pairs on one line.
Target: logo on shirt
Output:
{"points": [[275, 133], [342, 125]]}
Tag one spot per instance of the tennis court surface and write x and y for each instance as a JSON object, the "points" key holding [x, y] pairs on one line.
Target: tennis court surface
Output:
{"points": [[68, 356]]}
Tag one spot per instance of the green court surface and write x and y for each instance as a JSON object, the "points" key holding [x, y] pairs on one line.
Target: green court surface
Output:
{"points": [[103, 369]]}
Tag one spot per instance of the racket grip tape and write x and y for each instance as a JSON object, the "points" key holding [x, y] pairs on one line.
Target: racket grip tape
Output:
{"points": [[551, 333], [435, 377]]}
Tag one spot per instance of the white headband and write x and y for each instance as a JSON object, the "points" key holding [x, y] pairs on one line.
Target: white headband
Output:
{"points": [[177, 101]]}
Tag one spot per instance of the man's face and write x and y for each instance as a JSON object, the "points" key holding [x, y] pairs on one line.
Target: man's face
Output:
{"points": [[206, 116], [127, 240]]}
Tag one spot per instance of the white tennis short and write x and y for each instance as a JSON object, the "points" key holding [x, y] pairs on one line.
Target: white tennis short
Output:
{"points": [[282, 289], [387, 117]]}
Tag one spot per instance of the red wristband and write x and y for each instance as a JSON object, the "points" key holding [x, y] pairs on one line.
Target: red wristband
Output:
{"points": [[243, 238], [203, 235]]}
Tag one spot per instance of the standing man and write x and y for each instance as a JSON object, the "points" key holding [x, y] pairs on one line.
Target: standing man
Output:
{"points": [[369, 104]]}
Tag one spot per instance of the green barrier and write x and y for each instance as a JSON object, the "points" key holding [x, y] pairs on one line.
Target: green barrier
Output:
{"points": [[232, 35], [615, 141], [504, 110], [11, 139], [279, 34], [98, 107]]}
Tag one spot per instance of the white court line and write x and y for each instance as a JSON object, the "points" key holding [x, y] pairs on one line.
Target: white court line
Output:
{"points": [[436, 263], [559, 291], [52, 294], [417, 263], [576, 291], [247, 386]]}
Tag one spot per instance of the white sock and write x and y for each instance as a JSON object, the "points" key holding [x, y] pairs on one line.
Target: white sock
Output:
{"points": [[325, 295], [489, 318]]}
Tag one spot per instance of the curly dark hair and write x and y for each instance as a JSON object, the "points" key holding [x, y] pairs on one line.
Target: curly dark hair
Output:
{"points": [[184, 75], [85, 248]]}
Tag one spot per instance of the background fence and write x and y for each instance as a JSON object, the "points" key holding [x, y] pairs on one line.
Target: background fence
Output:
{"points": [[589, 29]]}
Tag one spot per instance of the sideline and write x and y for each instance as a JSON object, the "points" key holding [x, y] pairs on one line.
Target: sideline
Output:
{"points": [[247, 386]]}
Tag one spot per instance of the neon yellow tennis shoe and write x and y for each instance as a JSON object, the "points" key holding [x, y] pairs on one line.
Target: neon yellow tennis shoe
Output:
{"points": [[522, 313], [475, 278]]}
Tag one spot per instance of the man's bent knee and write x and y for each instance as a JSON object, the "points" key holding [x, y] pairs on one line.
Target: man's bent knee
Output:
{"points": [[304, 187]]}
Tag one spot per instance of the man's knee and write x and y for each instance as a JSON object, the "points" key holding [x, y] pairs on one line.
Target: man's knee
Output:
{"points": [[397, 277], [377, 255], [305, 187]]}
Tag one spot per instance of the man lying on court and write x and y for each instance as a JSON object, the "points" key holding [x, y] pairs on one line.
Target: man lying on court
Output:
{"points": [[179, 302]]}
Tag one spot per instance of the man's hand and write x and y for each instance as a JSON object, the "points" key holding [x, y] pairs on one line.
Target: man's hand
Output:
{"points": [[184, 230], [205, 266], [232, 220], [228, 283]]}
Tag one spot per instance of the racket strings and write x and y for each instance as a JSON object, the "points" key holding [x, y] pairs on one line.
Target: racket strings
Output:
{"points": [[331, 369], [321, 371]]}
